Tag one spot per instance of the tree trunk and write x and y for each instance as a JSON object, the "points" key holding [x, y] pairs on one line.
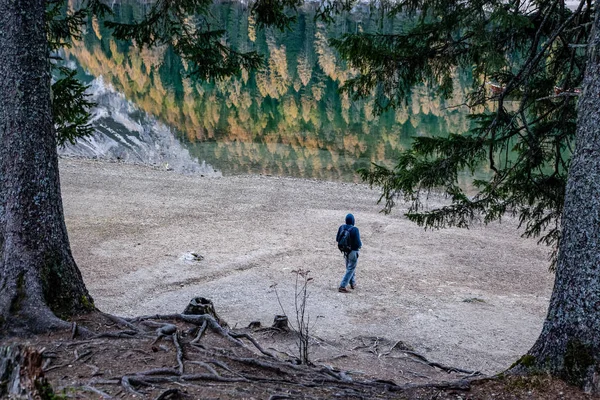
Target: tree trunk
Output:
{"points": [[569, 345], [281, 322], [21, 375], [39, 279], [202, 306]]}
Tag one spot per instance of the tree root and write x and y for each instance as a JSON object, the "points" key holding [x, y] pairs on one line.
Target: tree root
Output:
{"points": [[45, 370], [193, 319], [206, 366], [253, 341], [203, 321], [341, 376], [441, 366], [74, 330], [117, 334], [210, 377], [158, 371], [462, 385], [127, 384], [120, 321], [83, 355], [177, 344], [99, 392], [223, 366], [226, 365], [200, 333], [169, 394]]}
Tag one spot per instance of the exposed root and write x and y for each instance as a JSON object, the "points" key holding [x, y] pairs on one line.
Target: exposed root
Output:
{"points": [[278, 367], [223, 366], [253, 341], [118, 334], [200, 364], [170, 394], [193, 319], [462, 385], [200, 333], [99, 392], [74, 330], [177, 344], [45, 370], [158, 371], [341, 376], [210, 377], [164, 330], [82, 355], [441, 366], [126, 383], [208, 367], [120, 321]]}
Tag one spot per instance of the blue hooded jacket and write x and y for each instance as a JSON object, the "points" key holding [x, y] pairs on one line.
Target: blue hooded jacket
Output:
{"points": [[355, 242]]}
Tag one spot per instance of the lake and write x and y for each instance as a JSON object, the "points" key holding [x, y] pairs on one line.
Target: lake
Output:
{"points": [[288, 119]]}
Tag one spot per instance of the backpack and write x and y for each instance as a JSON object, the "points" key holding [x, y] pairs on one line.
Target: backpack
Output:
{"points": [[344, 241]]}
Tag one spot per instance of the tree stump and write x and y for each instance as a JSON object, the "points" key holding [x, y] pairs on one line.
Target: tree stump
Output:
{"points": [[202, 306], [21, 374], [254, 325], [281, 322]]}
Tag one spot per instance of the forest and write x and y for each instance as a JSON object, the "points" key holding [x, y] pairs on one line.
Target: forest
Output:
{"points": [[329, 91]]}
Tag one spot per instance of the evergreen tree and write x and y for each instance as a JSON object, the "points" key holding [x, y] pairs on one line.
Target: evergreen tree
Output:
{"points": [[529, 51], [533, 53], [39, 280], [526, 61], [70, 104], [569, 345]]}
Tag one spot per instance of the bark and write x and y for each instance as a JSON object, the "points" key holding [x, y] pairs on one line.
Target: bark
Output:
{"points": [[281, 322], [21, 375], [202, 306], [569, 345], [39, 279]]}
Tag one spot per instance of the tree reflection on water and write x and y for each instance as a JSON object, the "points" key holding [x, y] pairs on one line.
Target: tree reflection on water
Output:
{"points": [[288, 119]]}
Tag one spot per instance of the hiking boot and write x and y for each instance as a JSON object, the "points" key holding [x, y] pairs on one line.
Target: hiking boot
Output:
{"points": [[343, 290], [352, 285]]}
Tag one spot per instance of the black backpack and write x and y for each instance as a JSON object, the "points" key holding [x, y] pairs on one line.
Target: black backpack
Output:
{"points": [[344, 241]]}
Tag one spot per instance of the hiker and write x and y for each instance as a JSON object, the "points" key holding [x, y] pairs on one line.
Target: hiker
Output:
{"points": [[348, 238]]}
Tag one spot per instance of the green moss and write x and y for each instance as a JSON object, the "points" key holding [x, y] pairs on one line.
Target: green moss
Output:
{"points": [[531, 382], [88, 303], [577, 362], [15, 305], [62, 288], [527, 361], [46, 391]]}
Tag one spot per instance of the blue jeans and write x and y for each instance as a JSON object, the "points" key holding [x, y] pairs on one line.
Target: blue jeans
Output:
{"points": [[351, 261]]}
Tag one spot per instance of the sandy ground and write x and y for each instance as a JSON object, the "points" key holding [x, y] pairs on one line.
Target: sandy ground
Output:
{"points": [[131, 227]]}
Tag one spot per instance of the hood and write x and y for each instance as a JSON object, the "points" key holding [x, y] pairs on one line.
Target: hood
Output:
{"points": [[350, 219]]}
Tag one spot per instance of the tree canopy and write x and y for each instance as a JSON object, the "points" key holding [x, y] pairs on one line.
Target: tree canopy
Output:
{"points": [[535, 68], [526, 61]]}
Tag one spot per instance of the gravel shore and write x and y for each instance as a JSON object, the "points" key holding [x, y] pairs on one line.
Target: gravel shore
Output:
{"points": [[471, 298]]}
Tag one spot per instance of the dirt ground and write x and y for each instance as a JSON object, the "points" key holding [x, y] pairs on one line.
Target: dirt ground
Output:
{"points": [[474, 299], [127, 360]]}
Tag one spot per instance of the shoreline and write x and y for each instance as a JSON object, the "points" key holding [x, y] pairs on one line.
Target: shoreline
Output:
{"points": [[471, 298]]}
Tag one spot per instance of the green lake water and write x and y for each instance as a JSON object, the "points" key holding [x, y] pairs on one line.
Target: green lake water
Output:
{"points": [[288, 119]]}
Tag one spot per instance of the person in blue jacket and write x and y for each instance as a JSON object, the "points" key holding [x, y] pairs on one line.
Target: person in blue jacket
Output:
{"points": [[352, 256]]}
